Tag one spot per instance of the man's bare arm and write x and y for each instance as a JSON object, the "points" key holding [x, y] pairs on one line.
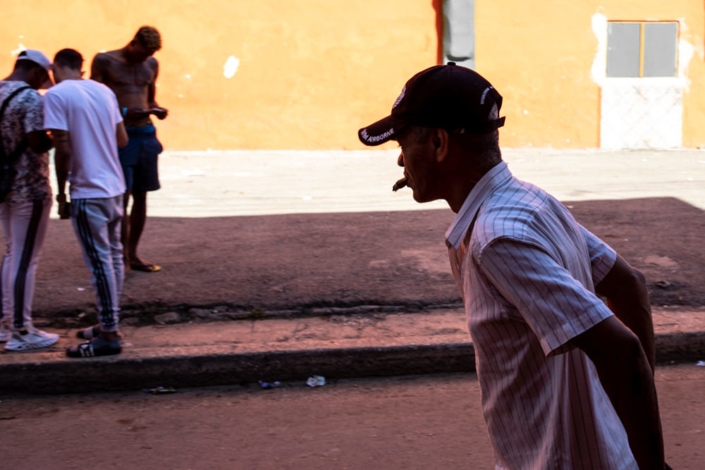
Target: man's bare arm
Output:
{"points": [[62, 157], [39, 141], [159, 112], [98, 67], [628, 298], [121, 135], [627, 377], [152, 90]]}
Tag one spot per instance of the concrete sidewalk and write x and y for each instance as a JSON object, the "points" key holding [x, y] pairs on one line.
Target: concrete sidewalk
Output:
{"points": [[253, 183], [245, 351]]}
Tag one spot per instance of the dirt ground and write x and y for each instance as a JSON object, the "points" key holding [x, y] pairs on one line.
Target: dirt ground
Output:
{"points": [[300, 261], [298, 230], [662, 237]]}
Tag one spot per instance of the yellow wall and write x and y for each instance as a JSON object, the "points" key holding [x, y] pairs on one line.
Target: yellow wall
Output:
{"points": [[539, 55], [311, 71]]}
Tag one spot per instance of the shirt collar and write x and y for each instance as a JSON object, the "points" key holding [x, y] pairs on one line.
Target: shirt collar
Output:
{"points": [[493, 178]]}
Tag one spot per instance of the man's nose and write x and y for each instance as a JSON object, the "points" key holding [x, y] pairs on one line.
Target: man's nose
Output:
{"points": [[400, 160]]}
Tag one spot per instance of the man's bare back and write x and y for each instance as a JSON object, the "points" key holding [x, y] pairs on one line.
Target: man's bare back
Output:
{"points": [[134, 84]]}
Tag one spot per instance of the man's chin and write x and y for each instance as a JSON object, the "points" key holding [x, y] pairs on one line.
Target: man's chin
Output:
{"points": [[421, 198]]}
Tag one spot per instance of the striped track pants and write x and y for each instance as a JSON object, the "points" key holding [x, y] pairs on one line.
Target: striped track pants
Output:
{"points": [[97, 224], [24, 225]]}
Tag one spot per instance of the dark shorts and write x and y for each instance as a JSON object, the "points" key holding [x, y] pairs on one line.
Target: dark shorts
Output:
{"points": [[139, 159]]}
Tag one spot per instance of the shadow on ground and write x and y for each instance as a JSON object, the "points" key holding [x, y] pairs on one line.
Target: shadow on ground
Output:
{"points": [[307, 261]]}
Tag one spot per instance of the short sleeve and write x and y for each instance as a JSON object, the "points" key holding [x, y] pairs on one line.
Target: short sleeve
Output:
{"points": [[556, 306], [55, 114], [602, 256], [34, 117]]}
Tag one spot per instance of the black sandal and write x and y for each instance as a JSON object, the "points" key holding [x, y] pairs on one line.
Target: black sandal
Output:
{"points": [[88, 350]]}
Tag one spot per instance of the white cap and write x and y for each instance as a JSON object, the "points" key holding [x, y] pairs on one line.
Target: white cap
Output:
{"points": [[38, 58]]}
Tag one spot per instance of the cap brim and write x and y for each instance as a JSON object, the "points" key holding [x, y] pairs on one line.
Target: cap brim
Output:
{"points": [[381, 131]]}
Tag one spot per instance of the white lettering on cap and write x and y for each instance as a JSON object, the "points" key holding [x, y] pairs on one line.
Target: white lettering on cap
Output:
{"points": [[376, 138], [398, 100]]}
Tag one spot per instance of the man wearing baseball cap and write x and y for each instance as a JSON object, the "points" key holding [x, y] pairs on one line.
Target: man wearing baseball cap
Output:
{"points": [[25, 196], [26, 66], [567, 383]]}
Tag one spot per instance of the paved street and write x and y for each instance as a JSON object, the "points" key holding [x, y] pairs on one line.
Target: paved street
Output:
{"points": [[427, 422]]}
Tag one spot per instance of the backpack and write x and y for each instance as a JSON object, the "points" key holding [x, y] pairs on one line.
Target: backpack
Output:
{"points": [[8, 172]]}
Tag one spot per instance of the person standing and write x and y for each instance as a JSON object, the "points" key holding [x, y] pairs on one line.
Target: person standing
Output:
{"points": [[24, 210], [131, 72], [567, 383], [87, 127]]}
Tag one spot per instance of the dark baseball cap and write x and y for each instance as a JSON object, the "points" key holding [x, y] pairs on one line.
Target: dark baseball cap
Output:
{"points": [[444, 96]]}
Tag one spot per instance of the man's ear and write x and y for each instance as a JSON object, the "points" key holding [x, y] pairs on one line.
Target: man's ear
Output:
{"points": [[440, 140]]}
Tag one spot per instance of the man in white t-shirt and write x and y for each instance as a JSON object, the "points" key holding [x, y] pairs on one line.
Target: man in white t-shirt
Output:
{"points": [[86, 123]]}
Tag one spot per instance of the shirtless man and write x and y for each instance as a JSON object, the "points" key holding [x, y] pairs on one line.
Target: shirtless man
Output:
{"points": [[131, 72]]}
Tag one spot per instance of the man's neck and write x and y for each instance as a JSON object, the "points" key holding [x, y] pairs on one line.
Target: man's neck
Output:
{"points": [[460, 186], [124, 52], [459, 193], [64, 74], [125, 55], [16, 76]]}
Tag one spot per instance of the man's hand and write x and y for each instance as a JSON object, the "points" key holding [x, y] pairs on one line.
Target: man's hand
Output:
{"points": [[160, 113], [627, 377], [64, 206], [64, 210], [136, 114]]}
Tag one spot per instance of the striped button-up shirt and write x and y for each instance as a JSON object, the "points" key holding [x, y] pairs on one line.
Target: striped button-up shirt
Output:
{"points": [[527, 273]]}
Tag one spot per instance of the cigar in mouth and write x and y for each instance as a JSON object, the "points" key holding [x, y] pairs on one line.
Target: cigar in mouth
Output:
{"points": [[400, 184]]}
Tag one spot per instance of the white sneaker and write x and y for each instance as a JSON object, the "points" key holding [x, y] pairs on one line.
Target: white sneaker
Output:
{"points": [[30, 338], [5, 333]]}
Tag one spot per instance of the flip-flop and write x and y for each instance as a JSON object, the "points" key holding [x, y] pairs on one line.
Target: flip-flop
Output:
{"points": [[146, 268], [87, 350]]}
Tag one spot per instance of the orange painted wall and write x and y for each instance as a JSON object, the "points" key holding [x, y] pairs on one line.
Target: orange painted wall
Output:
{"points": [[311, 71], [539, 55]]}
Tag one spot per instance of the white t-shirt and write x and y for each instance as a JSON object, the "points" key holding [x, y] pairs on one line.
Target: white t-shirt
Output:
{"points": [[90, 112]]}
